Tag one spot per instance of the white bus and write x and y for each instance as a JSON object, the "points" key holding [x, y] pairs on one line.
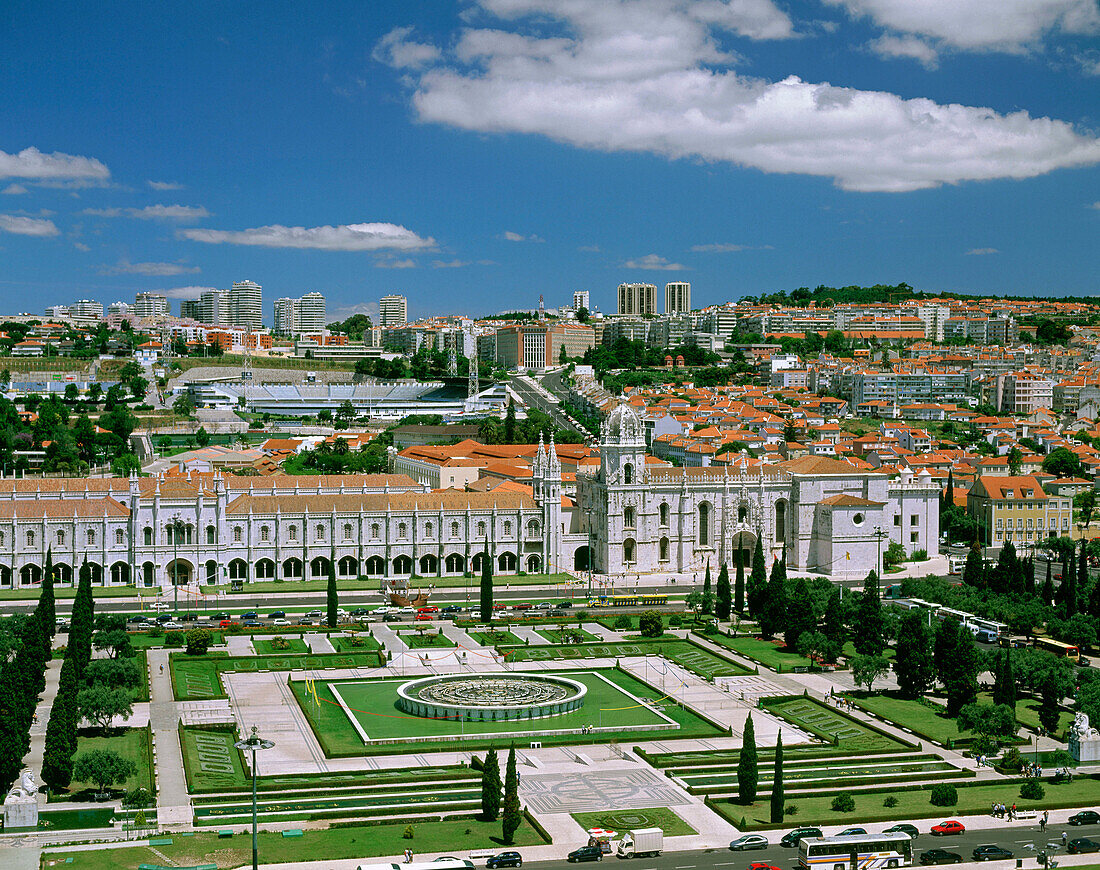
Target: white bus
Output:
{"points": [[956, 564], [437, 864], [987, 629], [856, 852]]}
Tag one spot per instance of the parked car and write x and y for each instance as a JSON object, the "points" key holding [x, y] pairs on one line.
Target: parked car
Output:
{"points": [[361, 611], [406, 611], [1082, 845], [522, 605], [852, 832], [305, 620], [276, 614], [138, 618], [425, 617], [903, 828], [280, 622], [221, 614], [253, 623], [565, 605], [1085, 817], [190, 617], [544, 605], [793, 838], [749, 841], [392, 617], [428, 608], [161, 605], [948, 827], [316, 614], [585, 853], [760, 865], [252, 614], [455, 608], [172, 625], [504, 859], [164, 617], [939, 856], [991, 852], [382, 611], [227, 623]]}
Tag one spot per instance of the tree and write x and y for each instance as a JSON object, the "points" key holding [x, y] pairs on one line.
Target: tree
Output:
{"points": [[748, 772], [202, 437], [870, 638], [801, 618], [490, 787], [332, 599], [582, 315], [814, 645], [722, 598], [1050, 706], [183, 406], [708, 595], [868, 668], [739, 584], [510, 423], [103, 767], [913, 656], [46, 602], [113, 673], [115, 640], [957, 664], [486, 587], [198, 641], [60, 745], [991, 722], [974, 570], [1004, 682], [82, 622], [1062, 462], [894, 555], [773, 616], [777, 802], [1015, 459], [650, 624], [756, 595], [512, 815], [833, 626], [100, 705]]}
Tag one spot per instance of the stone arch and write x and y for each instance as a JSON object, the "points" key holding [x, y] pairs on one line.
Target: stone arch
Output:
{"points": [[348, 566], [292, 568], [403, 565], [319, 566], [63, 573], [628, 473], [454, 564], [506, 562], [265, 569], [534, 562], [664, 510], [120, 574], [706, 517], [375, 566], [429, 564], [5, 575], [179, 572], [662, 552], [30, 575], [630, 551], [781, 520], [477, 562], [238, 569], [582, 558], [148, 574], [212, 568], [630, 519]]}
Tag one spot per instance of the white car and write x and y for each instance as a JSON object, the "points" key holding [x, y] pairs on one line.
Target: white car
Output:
{"points": [[280, 622], [407, 610], [161, 605], [171, 624], [382, 611]]}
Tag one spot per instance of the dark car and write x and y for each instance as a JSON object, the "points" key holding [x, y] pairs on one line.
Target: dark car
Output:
{"points": [[252, 614], [392, 617], [1082, 845], [940, 856], [585, 853], [361, 611], [190, 617], [911, 830], [138, 618], [218, 616], [454, 608], [277, 614], [749, 841], [1085, 817], [798, 834], [164, 617], [565, 605], [852, 832], [991, 852], [305, 620], [253, 623], [504, 859]]}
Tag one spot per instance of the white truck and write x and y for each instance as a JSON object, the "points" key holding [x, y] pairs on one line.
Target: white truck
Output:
{"points": [[641, 842]]}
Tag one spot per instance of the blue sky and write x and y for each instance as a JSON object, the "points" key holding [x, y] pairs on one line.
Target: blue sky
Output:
{"points": [[474, 155]]}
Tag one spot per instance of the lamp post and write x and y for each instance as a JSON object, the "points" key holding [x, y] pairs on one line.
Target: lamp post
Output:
{"points": [[253, 742], [177, 528]]}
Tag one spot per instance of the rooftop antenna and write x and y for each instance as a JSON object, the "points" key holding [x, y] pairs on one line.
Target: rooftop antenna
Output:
{"points": [[452, 364], [542, 308]]}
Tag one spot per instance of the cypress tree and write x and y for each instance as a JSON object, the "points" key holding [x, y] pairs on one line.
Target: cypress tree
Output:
{"points": [[833, 626], [739, 584], [1067, 592], [83, 622], [1008, 683], [46, 604], [490, 787], [773, 615], [756, 591], [708, 598], [722, 598], [512, 815], [332, 598], [870, 640], [1082, 579], [913, 659], [487, 592], [777, 782], [60, 747], [1029, 577], [1094, 600], [748, 772], [800, 614], [974, 570], [1047, 595]]}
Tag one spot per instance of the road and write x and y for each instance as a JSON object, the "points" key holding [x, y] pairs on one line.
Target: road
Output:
{"points": [[533, 398]]}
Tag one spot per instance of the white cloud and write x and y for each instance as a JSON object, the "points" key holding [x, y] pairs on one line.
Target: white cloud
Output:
{"points": [[124, 267], [510, 236], [34, 164], [395, 264], [727, 248], [983, 25], [652, 261], [80, 246], [27, 226], [449, 264], [981, 252], [164, 185], [589, 249], [14, 189], [1095, 205], [350, 237], [906, 46], [190, 292], [396, 50], [152, 212], [344, 312], [644, 77]]}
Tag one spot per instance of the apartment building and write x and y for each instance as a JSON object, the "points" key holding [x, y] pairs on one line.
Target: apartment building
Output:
{"points": [[1017, 509], [393, 311], [637, 299]]}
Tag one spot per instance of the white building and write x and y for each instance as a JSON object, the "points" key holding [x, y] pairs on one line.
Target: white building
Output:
{"points": [[213, 308], [393, 311], [286, 316], [637, 299], [246, 305], [86, 309], [581, 300], [120, 309], [311, 313], [151, 305], [677, 297]]}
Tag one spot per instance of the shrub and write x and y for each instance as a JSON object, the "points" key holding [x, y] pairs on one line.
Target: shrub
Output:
{"points": [[944, 795], [409, 831], [155, 631], [1032, 790], [844, 803], [1012, 760], [174, 638], [137, 798], [674, 620], [650, 624], [623, 622], [198, 641], [791, 809], [280, 643], [890, 802], [919, 556]]}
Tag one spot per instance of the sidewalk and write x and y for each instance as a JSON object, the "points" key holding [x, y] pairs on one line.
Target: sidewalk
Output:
{"points": [[173, 804]]}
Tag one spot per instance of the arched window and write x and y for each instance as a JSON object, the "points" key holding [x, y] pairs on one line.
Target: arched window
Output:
{"points": [[628, 473], [506, 562], [211, 535], [454, 530], [265, 570], [189, 534], [347, 531], [375, 531], [664, 550], [628, 517], [481, 530], [237, 534], [265, 533], [507, 527], [742, 513], [292, 534], [533, 528], [30, 539], [91, 537], [704, 525], [402, 530], [428, 529], [3, 539], [119, 537], [60, 538], [664, 514], [320, 532], [628, 551], [780, 521], [148, 536]]}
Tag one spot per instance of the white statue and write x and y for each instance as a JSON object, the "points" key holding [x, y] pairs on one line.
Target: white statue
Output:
{"points": [[25, 788], [1082, 730]]}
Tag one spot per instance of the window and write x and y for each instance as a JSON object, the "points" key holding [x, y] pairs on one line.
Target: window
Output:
{"points": [[265, 533], [375, 531], [454, 530], [148, 536], [119, 538], [428, 529], [857, 519], [628, 474], [628, 517], [481, 529], [91, 537], [347, 531], [1030, 523], [704, 525], [3, 538], [211, 535], [402, 530], [1065, 523], [30, 539], [1000, 523], [507, 527], [237, 534], [320, 532], [897, 520], [1053, 523], [60, 538], [533, 529], [292, 533], [664, 514], [189, 534], [664, 550], [628, 550], [914, 519], [914, 537]]}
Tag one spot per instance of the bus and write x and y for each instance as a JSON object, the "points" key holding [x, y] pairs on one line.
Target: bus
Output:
{"points": [[1062, 650], [644, 599], [856, 852], [437, 864], [955, 564], [988, 630]]}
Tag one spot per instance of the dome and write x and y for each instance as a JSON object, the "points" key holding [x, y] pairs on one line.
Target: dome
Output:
{"points": [[623, 423]]}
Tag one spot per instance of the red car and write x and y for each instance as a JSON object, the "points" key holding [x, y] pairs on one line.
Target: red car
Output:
{"points": [[429, 608], [951, 827], [425, 617], [523, 605], [226, 623], [757, 865]]}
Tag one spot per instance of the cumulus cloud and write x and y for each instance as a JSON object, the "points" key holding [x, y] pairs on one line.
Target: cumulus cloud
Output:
{"points": [[727, 248], [449, 264], [982, 25], [189, 292], [397, 50], [152, 212], [652, 77], [34, 164], [164, 185], [27, 226], [906, 46], [981, 252], [125, 267], [395, 264], [510, 236], [652, 261], [349, 237], [14, 189], [80, 246]]}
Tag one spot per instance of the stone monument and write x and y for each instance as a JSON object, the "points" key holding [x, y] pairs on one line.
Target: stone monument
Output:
{"points": [[1084, 740], [21, 804]]}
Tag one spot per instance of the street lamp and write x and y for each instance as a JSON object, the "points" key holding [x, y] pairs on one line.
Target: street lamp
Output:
{"points": [[253, 742], [177, 528]]}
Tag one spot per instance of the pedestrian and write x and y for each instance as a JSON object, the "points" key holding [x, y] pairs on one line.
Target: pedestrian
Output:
{"points": [[1013, 812], [1043, 821], [1064, 838], [162, 669]]}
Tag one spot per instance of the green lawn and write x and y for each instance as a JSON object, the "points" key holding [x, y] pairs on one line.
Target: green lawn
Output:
{"points": [[923, 718], [771, 654], [280, 646], [572, 634], [458, 836], [846, 733], [700, 661], [623, 820], [357, 643], [30, 593], [133, 744], [197, 677], [433, 639], [373, 583], [1027, 713], [494, 638]]}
